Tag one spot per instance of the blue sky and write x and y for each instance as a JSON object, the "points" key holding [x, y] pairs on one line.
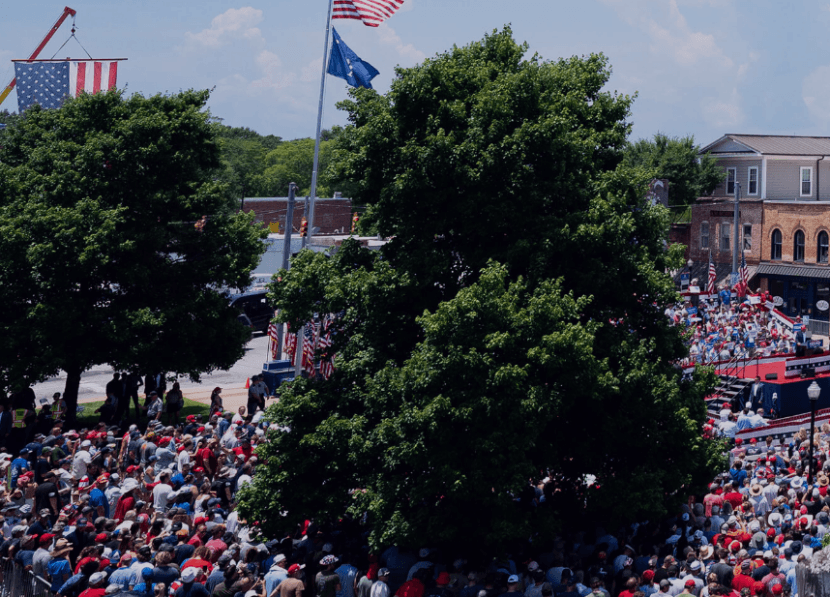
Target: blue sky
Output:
{"points": [[700, 67]]}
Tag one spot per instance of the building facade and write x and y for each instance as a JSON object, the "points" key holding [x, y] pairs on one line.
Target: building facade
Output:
{"points": [[783, 182], [332, 216]]}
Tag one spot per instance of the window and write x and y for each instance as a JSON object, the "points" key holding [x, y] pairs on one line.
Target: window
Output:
{"points": [[731, 181], [752, 180], [725, 236], [776, 245], [705, 235], [799, 246], [747, 230], [805, 175], [822, 247]]}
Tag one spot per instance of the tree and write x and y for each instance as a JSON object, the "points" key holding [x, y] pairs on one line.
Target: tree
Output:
{"points": [[676, 159], [101, 260], [242, 153], [511, 327]]}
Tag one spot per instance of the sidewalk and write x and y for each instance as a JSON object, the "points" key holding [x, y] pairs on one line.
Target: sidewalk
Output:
{"points": [[232, 398]]}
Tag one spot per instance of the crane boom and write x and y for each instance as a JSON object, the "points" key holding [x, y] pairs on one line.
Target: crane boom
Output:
{"points": [[67, 12]]}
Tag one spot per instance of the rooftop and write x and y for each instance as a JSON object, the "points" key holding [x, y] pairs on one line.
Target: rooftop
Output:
{"points": [[770, 145]]}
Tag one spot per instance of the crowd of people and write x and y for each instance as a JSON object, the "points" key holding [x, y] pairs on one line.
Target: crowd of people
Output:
{"points": [[149, 509], [723, 327], [152, 512]]}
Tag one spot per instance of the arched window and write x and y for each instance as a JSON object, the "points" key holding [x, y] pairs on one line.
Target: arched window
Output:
{"points": [[799, 246], [776, 245], [822, 247]]}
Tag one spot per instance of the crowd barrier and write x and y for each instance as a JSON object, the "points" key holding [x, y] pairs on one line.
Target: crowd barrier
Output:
{"points": [[19, 582]]}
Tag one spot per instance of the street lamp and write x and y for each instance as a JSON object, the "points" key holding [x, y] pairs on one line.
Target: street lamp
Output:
{"points": [[813, 396]]}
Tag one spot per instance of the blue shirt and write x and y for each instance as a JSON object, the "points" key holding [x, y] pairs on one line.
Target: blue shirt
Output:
{"points": [[123, 577], [19, 466], [273, 578], [57, 569], [97, 498]]}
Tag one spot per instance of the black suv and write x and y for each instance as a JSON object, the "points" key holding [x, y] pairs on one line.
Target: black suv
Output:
{"points": [[255, 306]]}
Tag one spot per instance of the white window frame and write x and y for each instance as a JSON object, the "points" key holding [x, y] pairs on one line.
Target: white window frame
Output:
{"points": [[750, 240], [701, 235], [756, 192], [810, 170], [727, 190], [721, 228]]}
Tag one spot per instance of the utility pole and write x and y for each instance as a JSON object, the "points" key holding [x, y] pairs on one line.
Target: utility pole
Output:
{"points": [[286, 251], [737, 191]]}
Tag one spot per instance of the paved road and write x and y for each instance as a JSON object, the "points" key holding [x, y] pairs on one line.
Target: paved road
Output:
{"points": [[232, 381]]}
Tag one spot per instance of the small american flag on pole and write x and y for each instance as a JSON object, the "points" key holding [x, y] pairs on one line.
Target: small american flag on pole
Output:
{"points": [[743, 280], [711, 276], [370, 12]]}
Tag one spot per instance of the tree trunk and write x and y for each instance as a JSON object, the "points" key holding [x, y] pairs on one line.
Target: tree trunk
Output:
{"points": [[70, 392]]}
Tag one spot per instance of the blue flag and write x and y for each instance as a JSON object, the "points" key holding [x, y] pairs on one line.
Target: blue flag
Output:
{"points": [[346, 64]]}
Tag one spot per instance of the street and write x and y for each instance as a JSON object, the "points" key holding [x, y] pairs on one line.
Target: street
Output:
{"points": [[232, 381]]}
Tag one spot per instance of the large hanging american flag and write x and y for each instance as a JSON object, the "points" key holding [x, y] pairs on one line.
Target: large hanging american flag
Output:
{"points": [[743, 280], [309, 348], [290, 344], [711, 276], [370, 12], [324, 343], [49, 83], [272, 340]]}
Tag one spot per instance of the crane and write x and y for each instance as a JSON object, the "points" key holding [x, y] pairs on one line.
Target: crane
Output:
{"points": [[67, 12]]}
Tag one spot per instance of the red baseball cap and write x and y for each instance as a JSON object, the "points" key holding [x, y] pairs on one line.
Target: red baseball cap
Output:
{"points": [[690, 583], [295, 568]]}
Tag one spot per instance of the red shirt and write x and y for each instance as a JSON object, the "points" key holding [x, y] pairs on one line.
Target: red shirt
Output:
{"points": [[411, 588], [743, 581], [96, 592], [217, 546], [196, 541], [735, 499], [247, 453], [209, 460], [198, 563], [124, 505]]}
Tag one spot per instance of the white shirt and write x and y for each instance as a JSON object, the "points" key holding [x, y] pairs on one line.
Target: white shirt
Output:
{"points": [[80, 463], [183, 459], [162, 493], [379, 589]]}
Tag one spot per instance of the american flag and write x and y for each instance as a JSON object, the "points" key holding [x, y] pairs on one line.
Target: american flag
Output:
{"points": [[272, 340], [327, 368], [743, 277], [50, 83], [370, 12], [711, 276], [290, 344], [309, 348]]}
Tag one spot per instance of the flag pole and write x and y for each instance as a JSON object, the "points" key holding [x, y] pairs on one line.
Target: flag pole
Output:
{"points": [[298, 361], [311, 219]]}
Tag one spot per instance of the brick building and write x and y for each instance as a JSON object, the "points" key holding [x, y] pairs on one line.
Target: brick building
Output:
{"points": [[332, 216], [783, 219]]}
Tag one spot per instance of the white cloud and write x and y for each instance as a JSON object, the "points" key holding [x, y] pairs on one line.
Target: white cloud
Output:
{"points": [[234, 23], [723, 112], [388, 36], [669, 33], [273, 75], [815, 94], [311, 72]]}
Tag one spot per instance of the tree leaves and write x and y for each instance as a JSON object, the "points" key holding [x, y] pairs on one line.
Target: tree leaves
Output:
{"points": [[100, 261]]}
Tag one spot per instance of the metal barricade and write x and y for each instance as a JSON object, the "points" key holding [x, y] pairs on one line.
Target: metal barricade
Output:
{"points": [[18, 582]]}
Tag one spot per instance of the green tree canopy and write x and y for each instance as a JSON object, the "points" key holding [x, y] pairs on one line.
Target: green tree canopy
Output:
{"points": [[510, 329], [101, 260], [676, 159]]}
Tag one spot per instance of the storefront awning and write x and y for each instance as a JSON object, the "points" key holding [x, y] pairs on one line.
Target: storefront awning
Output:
{"points": [[794, 271]]}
